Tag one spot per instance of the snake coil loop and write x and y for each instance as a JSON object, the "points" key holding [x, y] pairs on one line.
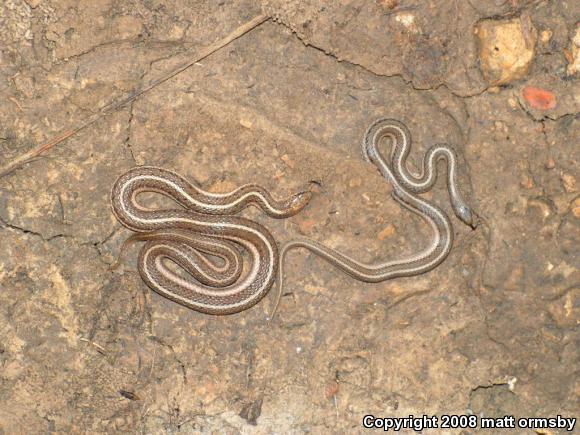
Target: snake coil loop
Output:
{"points": [[204, 225]]}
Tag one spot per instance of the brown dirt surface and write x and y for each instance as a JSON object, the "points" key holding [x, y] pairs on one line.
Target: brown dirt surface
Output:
{"points": [[493, 331]]}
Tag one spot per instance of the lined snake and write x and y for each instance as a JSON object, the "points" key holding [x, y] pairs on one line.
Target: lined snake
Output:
{"points": [[204, 229], [406, 187]]}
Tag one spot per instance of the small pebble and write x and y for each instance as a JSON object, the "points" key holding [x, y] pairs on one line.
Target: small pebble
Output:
{"points": [[408, 21], [526, 182], [246, 123], [539, 98], [569, 182], [388, 231], [546, 35]]}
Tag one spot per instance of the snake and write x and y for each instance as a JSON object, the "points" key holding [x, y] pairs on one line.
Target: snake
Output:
{"points": [[406, 188], [204, 237]]}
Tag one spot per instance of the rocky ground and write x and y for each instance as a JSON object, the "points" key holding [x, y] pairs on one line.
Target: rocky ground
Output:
{"points": [[493, 331]]}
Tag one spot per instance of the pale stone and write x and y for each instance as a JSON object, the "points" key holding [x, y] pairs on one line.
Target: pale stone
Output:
{"points": [[408, 21], [246, 123], [506, 49], [569, 182], [388, 231], [545, 36]]}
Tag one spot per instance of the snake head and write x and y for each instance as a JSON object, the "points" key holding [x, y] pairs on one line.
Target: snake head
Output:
{"points": [[300, 200], [464, 213]]}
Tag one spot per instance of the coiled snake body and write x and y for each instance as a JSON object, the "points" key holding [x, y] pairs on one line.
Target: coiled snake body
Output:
{"points": [[204, 225]]}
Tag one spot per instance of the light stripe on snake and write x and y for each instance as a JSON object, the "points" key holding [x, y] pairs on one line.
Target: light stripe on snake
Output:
{"points": [[406, 188], [204, 225]]}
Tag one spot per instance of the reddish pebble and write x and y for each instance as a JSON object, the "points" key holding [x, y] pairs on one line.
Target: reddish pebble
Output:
{"points": [[539, 98]]}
